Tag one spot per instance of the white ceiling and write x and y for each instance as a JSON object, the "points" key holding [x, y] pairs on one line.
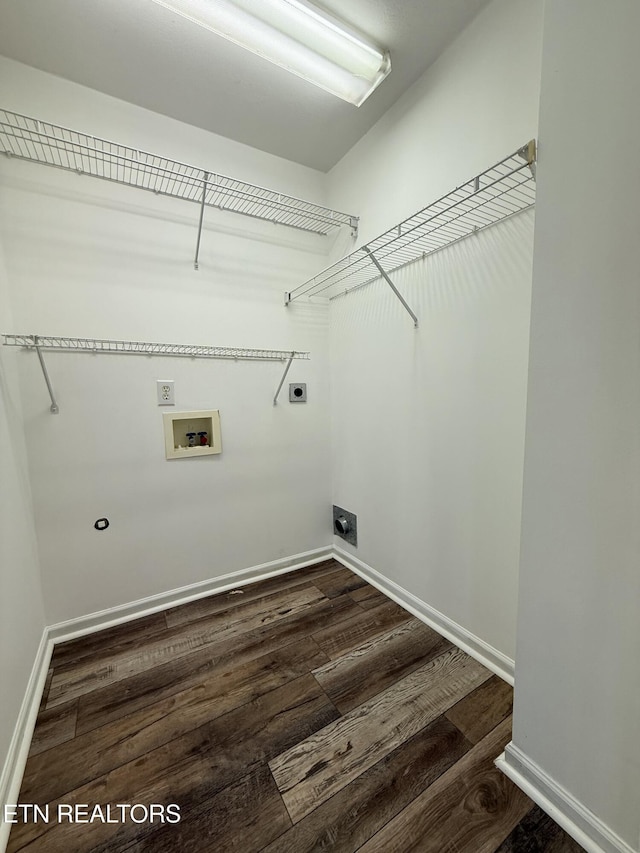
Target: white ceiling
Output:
{"points": [[140, 52]]}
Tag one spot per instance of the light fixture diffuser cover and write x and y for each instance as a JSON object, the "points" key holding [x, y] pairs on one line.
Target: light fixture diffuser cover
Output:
{"points": [[298, 37]]}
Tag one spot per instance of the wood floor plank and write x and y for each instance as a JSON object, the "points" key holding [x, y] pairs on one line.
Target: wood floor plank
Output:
{"points": [[315, 769], [471, 808], [117, 700], [54, 727], [337, 640], [370, 668], [186, 771], [538, 833], [482, 710], [194, 610], [223, 824], [175, 642], [338, 582], [51, 774], [349, 818], [123, 698], [124, 635], [368, 596]]}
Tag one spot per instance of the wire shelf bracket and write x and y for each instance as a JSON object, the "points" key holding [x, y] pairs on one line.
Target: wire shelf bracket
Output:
{"points": [[26, 138], [391, 285], [201, 220], [54, 408], [284, 376], [502, 191], [94, 345]]}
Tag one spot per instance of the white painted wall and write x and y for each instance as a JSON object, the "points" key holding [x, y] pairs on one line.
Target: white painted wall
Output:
{"points": [[577, 712], [428, 425], [22, 618], [86, 258]]}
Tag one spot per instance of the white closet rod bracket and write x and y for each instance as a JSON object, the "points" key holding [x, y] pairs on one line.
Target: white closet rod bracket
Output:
{"points": [[54, 409], [384, 275], [284, 376]]}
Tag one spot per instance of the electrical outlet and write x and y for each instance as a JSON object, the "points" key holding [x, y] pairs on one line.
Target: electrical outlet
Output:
{"points": [[166, 395]]}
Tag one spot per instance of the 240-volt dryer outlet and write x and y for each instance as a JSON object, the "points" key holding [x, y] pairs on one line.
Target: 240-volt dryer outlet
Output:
{"points": [[298, 392]]}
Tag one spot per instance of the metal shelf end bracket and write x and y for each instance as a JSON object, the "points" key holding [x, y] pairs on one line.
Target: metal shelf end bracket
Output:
{"points": [[529, 152]]}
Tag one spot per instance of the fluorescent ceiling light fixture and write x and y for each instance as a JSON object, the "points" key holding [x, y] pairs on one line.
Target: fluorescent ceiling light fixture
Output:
{"points": [[297, 37]]}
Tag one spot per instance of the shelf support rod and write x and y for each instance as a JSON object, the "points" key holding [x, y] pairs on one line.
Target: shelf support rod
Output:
{"points": [[284, 376], [204, 197], [384, 275], [54, 406]]}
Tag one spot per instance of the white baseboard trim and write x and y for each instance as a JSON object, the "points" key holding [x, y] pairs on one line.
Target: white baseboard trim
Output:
{"points": [[575, 818], [13, 769], [83, 625], [487, 655]]}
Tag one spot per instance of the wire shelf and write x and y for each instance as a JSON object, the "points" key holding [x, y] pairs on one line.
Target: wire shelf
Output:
{"points": [[499, 192], [51, 145], [92, 345]]}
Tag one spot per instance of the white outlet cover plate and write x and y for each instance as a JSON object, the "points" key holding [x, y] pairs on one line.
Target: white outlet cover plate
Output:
{"points": [[166, 395]]}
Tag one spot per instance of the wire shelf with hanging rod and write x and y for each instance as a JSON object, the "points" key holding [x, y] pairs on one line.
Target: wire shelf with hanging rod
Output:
{"points": [[49, 144], [102, 345], [497, 193], [40, 343]]}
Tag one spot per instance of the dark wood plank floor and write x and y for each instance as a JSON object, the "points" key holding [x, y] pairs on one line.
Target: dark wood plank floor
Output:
{"points": [[303, 713]]}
